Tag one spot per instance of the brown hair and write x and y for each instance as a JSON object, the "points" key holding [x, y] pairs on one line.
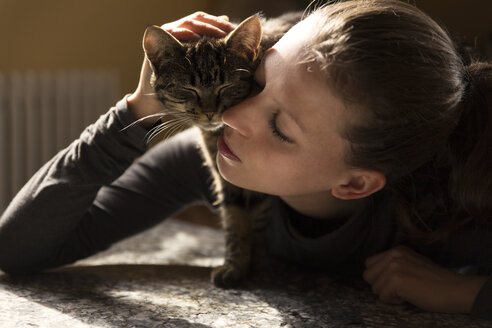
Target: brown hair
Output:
{"points": [[424, 110]]}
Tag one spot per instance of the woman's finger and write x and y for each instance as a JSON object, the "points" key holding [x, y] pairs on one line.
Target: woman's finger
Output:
{"points": [[193, 26], [372, 273], [184, 34], [378, 263], [375, 266], [221, 22], [388, 294], [388, 283], [203, 28]]}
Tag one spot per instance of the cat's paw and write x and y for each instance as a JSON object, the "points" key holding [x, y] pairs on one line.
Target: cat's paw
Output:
{"points": [[227, 276]]}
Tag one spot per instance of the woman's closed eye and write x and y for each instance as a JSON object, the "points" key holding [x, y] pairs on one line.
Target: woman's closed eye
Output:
{"points": [[275, 130], [257, 88]]}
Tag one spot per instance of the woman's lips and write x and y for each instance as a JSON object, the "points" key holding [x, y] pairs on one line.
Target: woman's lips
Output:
{"points": [[224, 149]]}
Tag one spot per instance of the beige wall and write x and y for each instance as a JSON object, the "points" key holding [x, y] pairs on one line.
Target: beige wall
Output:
{"points": [[75, 34], [79, 34]]}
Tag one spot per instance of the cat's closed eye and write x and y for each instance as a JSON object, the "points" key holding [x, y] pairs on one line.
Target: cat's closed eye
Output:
{"points": [[184, 94], [232, 91], [222, 88]]}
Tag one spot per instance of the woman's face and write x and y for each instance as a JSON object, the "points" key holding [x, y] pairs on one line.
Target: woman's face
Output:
{"points": [[285, 139]]}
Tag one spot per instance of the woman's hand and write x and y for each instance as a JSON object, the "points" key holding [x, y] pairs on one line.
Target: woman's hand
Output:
{"points": [[401, 275], [143, 102], [194, 26]]}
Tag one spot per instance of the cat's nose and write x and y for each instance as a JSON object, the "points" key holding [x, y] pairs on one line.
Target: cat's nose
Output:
{"points": [[209, 115]]}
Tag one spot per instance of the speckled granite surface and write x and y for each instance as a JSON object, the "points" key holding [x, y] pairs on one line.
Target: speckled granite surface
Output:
{"points": [[161, 279]]}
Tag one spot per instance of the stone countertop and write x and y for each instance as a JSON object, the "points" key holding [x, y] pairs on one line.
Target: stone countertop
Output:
{"points": [[160, 278]]}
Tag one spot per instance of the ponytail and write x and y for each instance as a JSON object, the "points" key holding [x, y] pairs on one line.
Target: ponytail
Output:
{"points": [[422, 109], [470, 148]]}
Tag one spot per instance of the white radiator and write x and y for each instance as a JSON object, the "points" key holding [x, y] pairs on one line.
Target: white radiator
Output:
{"points": [[41, 113]]}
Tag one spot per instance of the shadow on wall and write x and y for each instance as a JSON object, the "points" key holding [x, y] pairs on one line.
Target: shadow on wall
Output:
{"points": [[59, 35]]}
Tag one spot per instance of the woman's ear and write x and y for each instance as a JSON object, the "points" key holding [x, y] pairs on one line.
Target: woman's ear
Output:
{"points": [[362, 183]]}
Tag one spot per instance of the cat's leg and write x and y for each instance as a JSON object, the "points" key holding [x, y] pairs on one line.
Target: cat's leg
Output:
{"points": [[238, 234]]}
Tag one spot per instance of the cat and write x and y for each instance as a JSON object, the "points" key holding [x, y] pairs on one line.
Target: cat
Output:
{"points": [[196, 82]]}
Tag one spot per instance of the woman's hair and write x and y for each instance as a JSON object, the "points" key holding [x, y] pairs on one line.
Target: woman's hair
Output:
{"points": [[422, 108]]}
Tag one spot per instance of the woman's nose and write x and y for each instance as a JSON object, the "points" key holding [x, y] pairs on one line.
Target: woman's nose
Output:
{"points": [[242, 116]]}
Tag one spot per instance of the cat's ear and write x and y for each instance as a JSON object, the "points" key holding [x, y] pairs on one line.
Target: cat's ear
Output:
{"points": [[246, 38], [159, 43]]}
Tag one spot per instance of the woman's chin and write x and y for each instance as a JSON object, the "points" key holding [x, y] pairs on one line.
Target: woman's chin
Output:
{"points": [[227, 171]]}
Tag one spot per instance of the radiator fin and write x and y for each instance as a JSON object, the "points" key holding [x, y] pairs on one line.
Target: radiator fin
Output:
{"points": [[41, 113]]}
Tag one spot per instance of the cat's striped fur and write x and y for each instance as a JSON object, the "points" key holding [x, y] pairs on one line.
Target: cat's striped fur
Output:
{"points": [[196, 82]]}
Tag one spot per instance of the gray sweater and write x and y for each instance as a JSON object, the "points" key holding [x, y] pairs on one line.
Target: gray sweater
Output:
{"points": [[105, 187]]}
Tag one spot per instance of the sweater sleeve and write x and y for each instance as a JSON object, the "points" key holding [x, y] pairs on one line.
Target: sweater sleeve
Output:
{"points": [[469, 247], [482, 307], [93, 193]]}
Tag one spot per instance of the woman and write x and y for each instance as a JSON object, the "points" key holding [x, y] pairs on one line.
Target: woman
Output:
{"points": [[368, 127]]}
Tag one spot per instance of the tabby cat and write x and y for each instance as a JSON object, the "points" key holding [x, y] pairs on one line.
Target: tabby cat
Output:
{"points": [[196, 82]]}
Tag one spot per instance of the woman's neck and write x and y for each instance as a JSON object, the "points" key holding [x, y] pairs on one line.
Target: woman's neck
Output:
{"points": [[323, 206]]}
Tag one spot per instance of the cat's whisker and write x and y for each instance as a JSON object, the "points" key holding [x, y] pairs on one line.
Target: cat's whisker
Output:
{"points": [[159, 115], [169, 127], [150, 136], [182, 124], [158, 130], [168, 132], [165, 124], [154, 133], [179, 125], [185, 123]]}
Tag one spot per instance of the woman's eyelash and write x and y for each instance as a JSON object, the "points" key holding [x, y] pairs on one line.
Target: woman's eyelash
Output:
{"points": [[276, 132]]}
